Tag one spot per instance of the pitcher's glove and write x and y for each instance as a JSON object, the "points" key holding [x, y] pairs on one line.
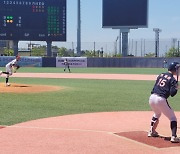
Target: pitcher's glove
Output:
{"points": [[17, 67]]}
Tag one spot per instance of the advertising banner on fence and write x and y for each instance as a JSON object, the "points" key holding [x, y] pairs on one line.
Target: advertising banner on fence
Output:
{"points": [[73, 61], [24, 61]]}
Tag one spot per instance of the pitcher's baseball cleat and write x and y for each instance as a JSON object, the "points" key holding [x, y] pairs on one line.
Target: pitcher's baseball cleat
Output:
{"points": [[8, 84]]}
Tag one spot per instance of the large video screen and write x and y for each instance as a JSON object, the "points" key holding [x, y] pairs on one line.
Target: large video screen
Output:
{"points": [[35, 20], [125, 13]]}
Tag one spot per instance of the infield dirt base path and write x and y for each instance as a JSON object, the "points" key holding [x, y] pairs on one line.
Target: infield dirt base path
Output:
{"points": [[90, 133], [87, 76]]}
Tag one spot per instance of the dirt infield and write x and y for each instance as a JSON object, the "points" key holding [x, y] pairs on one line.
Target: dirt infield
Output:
{"points": [[27, 88], [87, 76], [91, 133]]}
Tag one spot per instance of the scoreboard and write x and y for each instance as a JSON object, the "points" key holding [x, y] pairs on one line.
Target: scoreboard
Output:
{"points": [[34, 20], [125, 13]]}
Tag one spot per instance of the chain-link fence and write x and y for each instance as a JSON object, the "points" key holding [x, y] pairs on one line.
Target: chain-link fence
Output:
{"points": [[136, 47]]}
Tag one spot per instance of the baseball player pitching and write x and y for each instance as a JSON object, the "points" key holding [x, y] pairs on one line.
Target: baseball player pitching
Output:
{"points": [[11, 68], [166, 85]]}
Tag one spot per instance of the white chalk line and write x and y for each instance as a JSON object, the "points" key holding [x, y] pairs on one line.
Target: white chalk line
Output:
{"points": [[64, 129]]}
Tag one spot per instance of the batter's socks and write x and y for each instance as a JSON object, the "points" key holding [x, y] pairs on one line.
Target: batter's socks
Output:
{"points": [[154, 123], [174, 128]]}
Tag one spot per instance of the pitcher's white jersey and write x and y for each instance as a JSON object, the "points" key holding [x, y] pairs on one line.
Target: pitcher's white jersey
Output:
{"points": [[9, 66]]}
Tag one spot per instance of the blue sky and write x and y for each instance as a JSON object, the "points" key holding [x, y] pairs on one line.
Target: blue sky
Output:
{"points": [[163, 14]]}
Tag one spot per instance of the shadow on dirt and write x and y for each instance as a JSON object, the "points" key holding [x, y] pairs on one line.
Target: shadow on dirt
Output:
{"points": [[21, 86]]}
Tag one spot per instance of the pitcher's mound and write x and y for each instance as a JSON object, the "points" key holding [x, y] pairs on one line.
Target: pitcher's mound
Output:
{"points": [[27, 88]]}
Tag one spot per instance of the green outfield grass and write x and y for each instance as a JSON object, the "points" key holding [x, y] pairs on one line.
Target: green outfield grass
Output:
{"points": [[78, 96], [92, 70]]}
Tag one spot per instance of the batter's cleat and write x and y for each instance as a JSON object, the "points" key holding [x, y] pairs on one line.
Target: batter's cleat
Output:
{"points": [[153, 134], [8, 84], [175, 139], [1, 72]]}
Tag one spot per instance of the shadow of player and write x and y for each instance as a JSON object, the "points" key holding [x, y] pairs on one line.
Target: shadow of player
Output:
{"points": [[165, 138], [20, 86]]}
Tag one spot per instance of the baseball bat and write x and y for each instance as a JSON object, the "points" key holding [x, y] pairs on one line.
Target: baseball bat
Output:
{"points": [[177, 74], [177, 71]]}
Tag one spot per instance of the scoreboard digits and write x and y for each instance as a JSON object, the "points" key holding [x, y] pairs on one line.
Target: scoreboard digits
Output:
{"points": [[35, 20]]}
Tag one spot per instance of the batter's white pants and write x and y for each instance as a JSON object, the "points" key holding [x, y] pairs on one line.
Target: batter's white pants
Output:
{"points": [[160, 105]]}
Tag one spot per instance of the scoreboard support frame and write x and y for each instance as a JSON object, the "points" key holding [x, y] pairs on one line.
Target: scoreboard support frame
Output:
{"points": [[15, 47], [49, 48]]}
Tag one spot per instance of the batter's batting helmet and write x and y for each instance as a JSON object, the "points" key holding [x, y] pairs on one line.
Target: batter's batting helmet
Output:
{"points": [[172, 66]]}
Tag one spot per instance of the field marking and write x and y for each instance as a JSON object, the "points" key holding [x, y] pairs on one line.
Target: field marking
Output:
{"points": [[64, 129]]}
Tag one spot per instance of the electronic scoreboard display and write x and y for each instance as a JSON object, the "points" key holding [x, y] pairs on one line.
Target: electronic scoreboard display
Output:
{"points": [[35, 20], [125, 13]]}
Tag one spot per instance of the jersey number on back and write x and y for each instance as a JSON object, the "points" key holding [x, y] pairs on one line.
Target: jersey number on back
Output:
{"points": [[161, 82]]}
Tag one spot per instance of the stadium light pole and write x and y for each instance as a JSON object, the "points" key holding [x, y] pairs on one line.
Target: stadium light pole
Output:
{"points": [[120, 52], [136, 43], [178, 49], [141, 48], [15, 47], [124, 33], [144, 47], [116, 45], [174, 40], [79, 28], [157, 31]]}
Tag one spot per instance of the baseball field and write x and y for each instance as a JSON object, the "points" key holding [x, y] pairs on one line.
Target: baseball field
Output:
{"points": [[43, 93]]}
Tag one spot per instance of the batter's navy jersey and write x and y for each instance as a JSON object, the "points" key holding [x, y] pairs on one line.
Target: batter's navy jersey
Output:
{"points": [[165, 85]]}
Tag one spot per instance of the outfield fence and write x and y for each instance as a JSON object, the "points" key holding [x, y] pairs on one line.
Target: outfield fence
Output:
{"points": [[90, 62]]}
